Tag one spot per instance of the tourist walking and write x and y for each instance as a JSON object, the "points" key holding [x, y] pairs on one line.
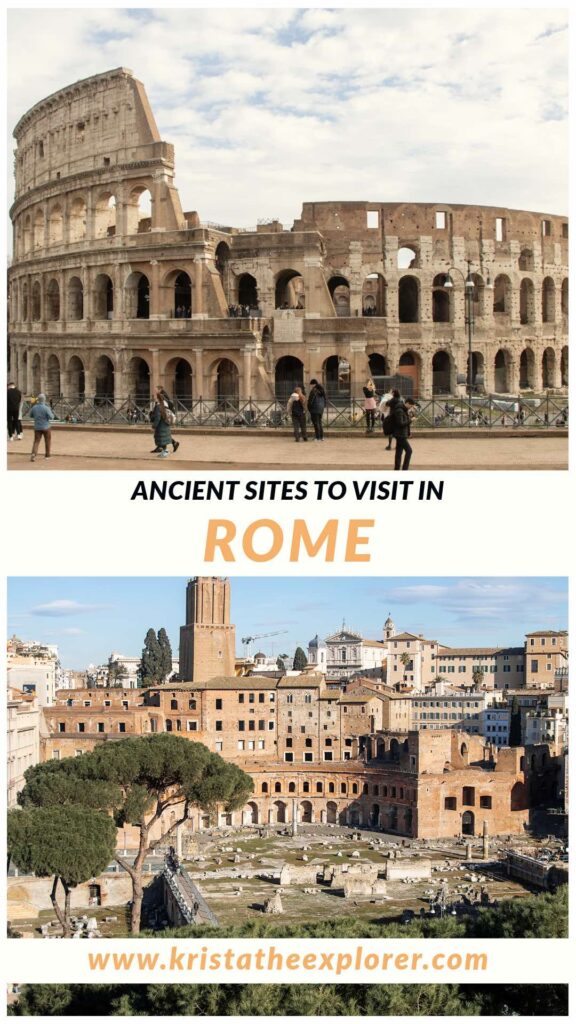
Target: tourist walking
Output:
{"points": [[316, 407], [42, 415], [162, 418], [400, 430], [383, 411], [297, 409], [13, 403], [369, 390]]}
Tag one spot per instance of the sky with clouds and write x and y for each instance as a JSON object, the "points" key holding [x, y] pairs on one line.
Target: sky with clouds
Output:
{"points": [[91, 617], [268, 108]]}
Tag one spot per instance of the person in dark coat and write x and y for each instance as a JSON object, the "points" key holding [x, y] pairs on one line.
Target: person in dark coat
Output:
{"points": [[13, 403], [162, 417], [400, 430], [316, 406], [297, 409]]}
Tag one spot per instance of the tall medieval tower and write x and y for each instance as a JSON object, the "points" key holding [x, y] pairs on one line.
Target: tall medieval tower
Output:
{"points": [[207, 640]]}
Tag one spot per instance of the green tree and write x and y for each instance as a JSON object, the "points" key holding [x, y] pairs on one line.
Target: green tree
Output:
{"points": [[515, 724], [165, 653], [150, 669], [280, 664], [68, 844], [406, 661], [138, 780], [300, 660]]}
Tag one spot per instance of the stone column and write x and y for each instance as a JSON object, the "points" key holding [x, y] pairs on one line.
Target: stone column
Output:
{"points": [[87, 278], [90, 229], [198, 376], [155, 310], [246, 384], [426, 375], [154, 371], [197, 295]]}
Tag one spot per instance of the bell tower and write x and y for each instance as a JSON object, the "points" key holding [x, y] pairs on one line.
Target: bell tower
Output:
{"points": [[207, 640], [389, 628]]}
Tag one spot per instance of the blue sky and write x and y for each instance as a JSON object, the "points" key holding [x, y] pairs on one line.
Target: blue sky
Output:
{"points": [[90, 617], [268, 108]]}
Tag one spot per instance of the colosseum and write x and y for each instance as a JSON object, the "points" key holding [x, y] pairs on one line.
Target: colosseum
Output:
{"points": [[113, 289]]}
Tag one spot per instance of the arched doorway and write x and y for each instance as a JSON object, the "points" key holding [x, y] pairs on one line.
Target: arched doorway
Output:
{"points": [[477, 371], [53, 300], [331, 812], [104, 379], [564, 366], [227, 381], [222, 257], [339, 289], [280, 812], [76, 379], [526, 301], [501, 371], [103, 297], [374, 296], [289, 290], [75, 299], [378, 367], [139, 380], [440, 300], [53, 378], [289, 373], [527, 369], [337, 378], [548, 301], [182, 296], [247, 291], [441, 373], [502, 295], [409, 367], [375, 816], [181, 383], [137, 296], [306, 812], [408, 300], [548, 367], [354, 815], [36, 301], [468, 823], [252, 810], [77, 219]]}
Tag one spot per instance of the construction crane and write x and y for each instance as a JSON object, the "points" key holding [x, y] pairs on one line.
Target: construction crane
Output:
{"points": [[247, 641]]}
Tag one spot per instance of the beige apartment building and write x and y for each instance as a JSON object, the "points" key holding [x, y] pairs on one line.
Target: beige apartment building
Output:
{"points": [[24, 723]]}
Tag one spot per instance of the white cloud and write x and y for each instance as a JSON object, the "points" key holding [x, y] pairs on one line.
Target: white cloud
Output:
{"points": [[55, 609]]}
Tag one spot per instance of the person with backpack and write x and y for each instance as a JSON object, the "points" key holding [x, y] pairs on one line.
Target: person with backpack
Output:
{"points": [[400, 429], [384, 411], [297, 409], [163, 417], [316, 406]]}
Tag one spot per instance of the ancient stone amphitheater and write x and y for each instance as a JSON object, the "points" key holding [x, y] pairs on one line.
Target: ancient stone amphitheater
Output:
{"points": [[113, 289]]}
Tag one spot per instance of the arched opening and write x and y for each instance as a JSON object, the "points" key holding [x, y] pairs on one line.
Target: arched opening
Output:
{"points": [[378, 365], [526, 301], [306, 816], [408, 300], [77, 219], [39, 229], [331, 813], [408, 257], [468, 823], [548, 301], [94, 895], [139, 380], [53, 378], [502, 371], [104, 379], [289, 290], [441, 373], [548, 367], [527, 369], [53, 300], [291, 787], [25, 310], [478, 293], [394, 749], [518, 797], [36, 375], [441, 312], [374, 296], [354, 815], [564, 366], [222, 258], [526, 260], [137, 291], [564, 299], [36, 301], [375, 816], [27, 234], [55, 225], [502, 295], [227, 381], [478, 371], [76, 379], [103, 297], [339, 289], [179, 374], [252, 810], [105, 216], [139, 211], [247, 291], [75, 299], [380, 750], [182, 296], [337, 378], [409, 367], [280, 812], [13, 303], [289, 373]]}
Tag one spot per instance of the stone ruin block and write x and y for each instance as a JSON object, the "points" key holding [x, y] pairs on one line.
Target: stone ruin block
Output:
{"points": [[408, 867], [363, 887], [300, 874]]}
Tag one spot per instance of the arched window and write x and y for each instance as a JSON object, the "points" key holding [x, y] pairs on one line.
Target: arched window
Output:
{"points": [[137, 296], [53, 300], [289, 373], [441, 312], [441, 373], [139, 211], [408, 300], [247, 291], [526, 301], [374, 296], [548, 301], [36, 301], [39, 229], [337, 378], [502, 295], [104, 379], [502, 371], [77, 219], [339, 289], [527, 369], [227, 382], [75, 299], [55, 225], [139, 380], [289, 290], [105, 216], [103, 297], [182, 296], [53, 391]]}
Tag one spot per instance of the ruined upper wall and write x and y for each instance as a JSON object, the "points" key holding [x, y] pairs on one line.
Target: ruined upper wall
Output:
{"points": [[98, 122]]}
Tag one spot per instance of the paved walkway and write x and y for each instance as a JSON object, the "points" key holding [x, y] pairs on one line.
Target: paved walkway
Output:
{"points": [[129, 448]]}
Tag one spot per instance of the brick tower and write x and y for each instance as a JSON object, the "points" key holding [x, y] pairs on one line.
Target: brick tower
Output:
{"points": [[207, 640]]}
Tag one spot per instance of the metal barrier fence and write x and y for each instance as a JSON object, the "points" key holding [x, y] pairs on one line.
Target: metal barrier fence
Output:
{"points": [[434, 413]]}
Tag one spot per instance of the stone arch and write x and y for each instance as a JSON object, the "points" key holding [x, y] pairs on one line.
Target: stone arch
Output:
{"points": [[179, 381], [252, 813], [380, 750], [527, 369], [226, 381], [289, 290], [518, 797], [564, 366], [564, 299], [264, 787], [468, 823], [14, 310], [39, 240], [408, 300], [222, 258], [139, 210], [548, 301], [53, 299], [408, 256], [527, 305], [76, 379], [332, 812], [105, 215], [548, 367], [502, 295], [526, 260], [337, 377], [441, 373], [24, 310], [182, 295], [478, 296], [378, 366], [137, 296], [394, 749], [374, 295], [354, 815], [104, 379], [478, 374], [339, 288], [36, 374], [27, 234], [55, 225], [288, 374], [291, 787], [75, 299], [248, 291], [36, 301], [502, 371], [138, 378], [77, 219], [441, 304], [375, 815], [306, 812], [103, 297], [280, 812], [53, 389]]}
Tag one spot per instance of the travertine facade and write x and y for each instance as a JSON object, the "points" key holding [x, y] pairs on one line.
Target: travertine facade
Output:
{"points": [[108, 297]]}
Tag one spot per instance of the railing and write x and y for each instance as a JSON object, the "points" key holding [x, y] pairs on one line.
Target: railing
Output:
{"points": [[193, 906], [340, 413]]}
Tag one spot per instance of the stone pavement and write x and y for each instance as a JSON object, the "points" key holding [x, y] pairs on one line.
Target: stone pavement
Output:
{"points": [[129, 448]]}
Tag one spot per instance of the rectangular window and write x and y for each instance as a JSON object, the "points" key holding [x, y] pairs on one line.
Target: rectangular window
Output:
{"points": [[261, 698], [468, 796], [372, 219], [80, 726], [192, 726], [250, 744], [327, 755], [500, 229], [100, 726], [240, 744], [261, 744], [240, 698], [308, 756], [251, 725], [87, 703], [56, 755], [121, 726], [219, 726], [289, 741], [107, 703], [288, 756], [270, 726], [564, 235], [241, 726], [486, 802], [218, 704], [308, 742], [261, 724], [251, 698], [61, 727], [534, 665], [192, 705], [440, 219], [218, 746], [546, 228]]}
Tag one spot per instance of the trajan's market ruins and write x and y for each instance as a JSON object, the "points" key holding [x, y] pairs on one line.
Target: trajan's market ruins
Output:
{"points": [[114, 289]]}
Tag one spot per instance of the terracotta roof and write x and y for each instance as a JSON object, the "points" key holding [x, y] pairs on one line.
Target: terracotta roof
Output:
{"points": [[303, 682], [220, 683], [461, 652], [548, 632]]}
